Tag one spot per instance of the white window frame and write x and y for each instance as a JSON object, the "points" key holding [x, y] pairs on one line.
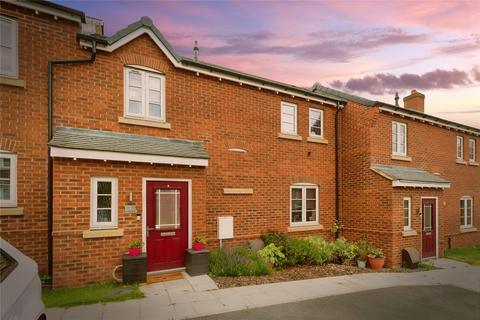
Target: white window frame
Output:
{"points": [[93, 203], [14, 72], [398, 153], [459, 143], [304, 187], [145, 75], [310, 111], [464, 213], [472, 149], [12, 202], [409, 226], [294, 106]]}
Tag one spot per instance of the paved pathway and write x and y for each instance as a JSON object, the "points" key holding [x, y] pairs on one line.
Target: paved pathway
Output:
{"points": [[199, 296]]}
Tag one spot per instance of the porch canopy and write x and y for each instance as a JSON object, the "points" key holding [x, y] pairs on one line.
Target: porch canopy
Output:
{"points": [[105, 145], [410, 177]]}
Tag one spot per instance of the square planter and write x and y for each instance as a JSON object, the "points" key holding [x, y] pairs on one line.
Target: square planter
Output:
{"points": [[197, 261], [134, 268]]}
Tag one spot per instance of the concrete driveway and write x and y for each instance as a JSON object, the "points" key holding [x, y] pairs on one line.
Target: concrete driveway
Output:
{"points": [[414, 302]]}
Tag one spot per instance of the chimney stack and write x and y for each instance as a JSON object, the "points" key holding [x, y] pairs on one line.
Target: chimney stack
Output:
{"points": [[415, 101]]}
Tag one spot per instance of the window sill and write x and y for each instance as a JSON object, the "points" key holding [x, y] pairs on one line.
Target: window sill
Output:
{"points": [[473, 163], [305, 228], [460, 161], [104, 233], [467, 229], [143, 122], [237, 191], [289, 136], [15, 211], [12, 82], [409, 233], [317, 140], [401, 158]]}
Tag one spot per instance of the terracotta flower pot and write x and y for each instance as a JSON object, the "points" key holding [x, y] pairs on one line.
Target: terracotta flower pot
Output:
{"points": [[376, 263], [134, 251], [197, 246]]}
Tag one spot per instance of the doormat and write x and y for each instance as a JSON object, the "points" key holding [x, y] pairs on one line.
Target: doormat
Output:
{"points": [[154, 278]]}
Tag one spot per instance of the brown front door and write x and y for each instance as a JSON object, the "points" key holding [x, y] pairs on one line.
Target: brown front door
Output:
{"points": [[167, 224], [429, 232]]}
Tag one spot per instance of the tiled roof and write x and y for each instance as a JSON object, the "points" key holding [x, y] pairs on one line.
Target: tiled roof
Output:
{"points": [[406, 174], [86, 139], [317, 87]]}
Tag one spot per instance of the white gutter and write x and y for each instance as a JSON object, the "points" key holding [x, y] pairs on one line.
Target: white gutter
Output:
{"points": [[37, 7], [417, 184]]}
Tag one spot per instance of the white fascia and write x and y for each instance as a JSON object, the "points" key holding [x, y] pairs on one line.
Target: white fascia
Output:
{"points": [[417, 184]]}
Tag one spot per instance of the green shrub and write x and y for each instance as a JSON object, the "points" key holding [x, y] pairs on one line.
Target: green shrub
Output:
{"points": [[363, 248], [239, 261], [322, 251], [272, 254], [277, 238], [344, 250], [312, 250]]}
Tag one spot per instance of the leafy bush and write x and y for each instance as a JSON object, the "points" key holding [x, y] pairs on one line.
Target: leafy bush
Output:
{"points": [[344, 250], [277, 238], [239, 261], [272, 254], [322, 250], [363, 248], [312, 250]]}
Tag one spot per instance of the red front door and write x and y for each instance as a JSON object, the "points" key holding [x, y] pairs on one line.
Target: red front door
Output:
{"points": [[428, 228], [167, 224]]}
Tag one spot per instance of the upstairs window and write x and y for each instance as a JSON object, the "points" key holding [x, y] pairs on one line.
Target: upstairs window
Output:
{"points": [[8, 47], [459, 148], [289, 118], [399, 138], [407, 213], [316, 123], [8, 180], [471, 150], [303, 205], [103, 202], [144, 94], [466, 211]]}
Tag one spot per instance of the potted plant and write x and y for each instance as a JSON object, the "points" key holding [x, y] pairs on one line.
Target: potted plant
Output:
{"points": [[376, 259], [199, 243], [135, 248], [362, 253]]}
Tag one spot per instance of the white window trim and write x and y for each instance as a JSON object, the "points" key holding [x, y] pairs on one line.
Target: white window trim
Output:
{"points": [[474, 149], [409, 227], [295, 120], [304, 187], [461, 147], [145, 74], [93, 203], [398, 144], [464, 213], [313, 135], [12, 202], [13, 74]]}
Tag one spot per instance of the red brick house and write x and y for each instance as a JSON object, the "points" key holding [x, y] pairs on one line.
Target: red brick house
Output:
{"points": [[105, 140], [408, 179]]}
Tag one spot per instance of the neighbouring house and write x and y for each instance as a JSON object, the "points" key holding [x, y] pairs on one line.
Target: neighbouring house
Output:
{"points": [[408, 179], [107, 139]]}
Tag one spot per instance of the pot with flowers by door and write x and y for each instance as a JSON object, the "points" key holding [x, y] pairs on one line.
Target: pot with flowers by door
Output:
{"points": [[135, 248], [376, 258], [199, 243]]}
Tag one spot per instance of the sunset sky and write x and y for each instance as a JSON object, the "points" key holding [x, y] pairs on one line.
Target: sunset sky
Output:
{"points": [[369, 48]]}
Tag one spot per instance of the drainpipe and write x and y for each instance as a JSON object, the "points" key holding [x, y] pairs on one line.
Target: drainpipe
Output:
{"points": [[337, 170], [51, 64]]}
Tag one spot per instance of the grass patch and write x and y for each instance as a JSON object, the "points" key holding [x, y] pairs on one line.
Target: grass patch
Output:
{"points": [[468, 255], [103, 292], [426, 267]]}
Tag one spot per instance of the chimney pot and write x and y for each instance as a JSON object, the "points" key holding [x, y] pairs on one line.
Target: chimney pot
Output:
{"points": [[415, 101]]}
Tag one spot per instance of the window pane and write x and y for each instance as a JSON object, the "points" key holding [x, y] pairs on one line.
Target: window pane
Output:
{"points": [[154, 96], [4, 173], [104, 202], [134, 107], [154, 83], [155, 110], [296, 216], [135, 94], [427, 217], [6, 39], [316, 131], [288, 127], [288, 110], [6, 59], [296, 204], [104, 187], [311, 193], [311, 204], [311, 216], [135, 79], [4, 163], [167, 209], [296, 193], [287, 118], [104, 215], [4, 190]]}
